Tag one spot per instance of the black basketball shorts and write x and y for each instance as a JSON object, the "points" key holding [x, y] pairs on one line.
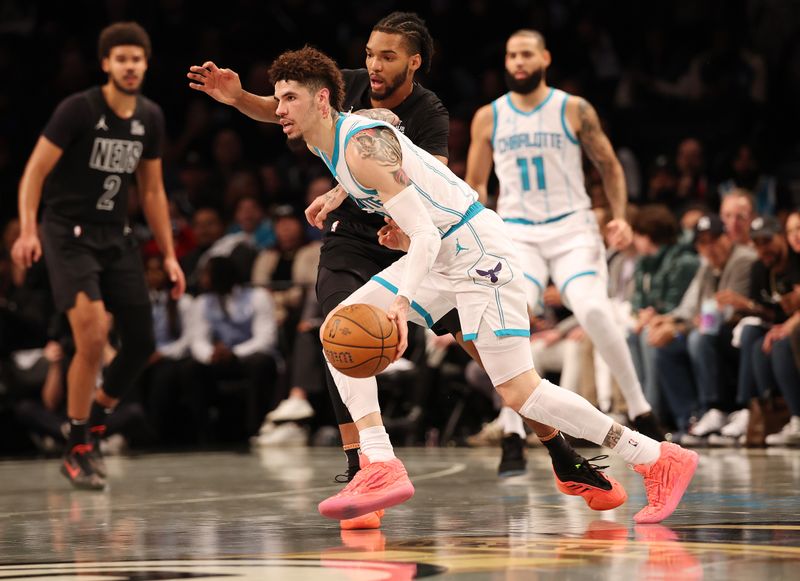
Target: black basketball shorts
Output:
{"points": [[101, 260]]}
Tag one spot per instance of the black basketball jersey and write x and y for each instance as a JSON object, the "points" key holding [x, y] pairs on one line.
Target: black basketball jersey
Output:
{"points": [[424, 120], [101, 152]]}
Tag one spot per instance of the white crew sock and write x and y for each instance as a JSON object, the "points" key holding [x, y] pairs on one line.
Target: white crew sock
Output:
{"points": [[636, 448], [567, 411], [375, 444], [511, 422]]}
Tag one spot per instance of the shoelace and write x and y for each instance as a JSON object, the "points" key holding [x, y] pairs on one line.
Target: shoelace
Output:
{"points": [[345, 478], [588, 462]]}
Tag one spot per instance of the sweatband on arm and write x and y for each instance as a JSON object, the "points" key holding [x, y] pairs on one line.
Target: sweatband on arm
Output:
{"points": [[410, 214]]}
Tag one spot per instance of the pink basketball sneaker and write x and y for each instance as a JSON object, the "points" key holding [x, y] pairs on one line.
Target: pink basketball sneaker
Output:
{"points": [[665, 482], [379, 485]]}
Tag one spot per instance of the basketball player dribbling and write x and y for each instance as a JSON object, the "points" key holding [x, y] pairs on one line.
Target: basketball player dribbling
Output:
{"points": [[389, 175], [399, 46], [534, 134]]}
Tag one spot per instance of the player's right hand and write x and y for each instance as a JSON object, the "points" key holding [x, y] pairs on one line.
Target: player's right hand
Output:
{"points": [[220, 84], [27, 249], [398, 312]]}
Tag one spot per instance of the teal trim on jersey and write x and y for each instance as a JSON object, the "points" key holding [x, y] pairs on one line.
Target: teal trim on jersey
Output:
{"points": [[326, 161], [414, 305], [512, 333], [532, 111], [475, 209], [574, 276], [494, 126], [347, 137], [537, 222], [564, 120], [534, 281], [470, 336], [335, 157]]}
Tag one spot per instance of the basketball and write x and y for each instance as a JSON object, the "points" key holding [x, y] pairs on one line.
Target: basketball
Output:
{"points": [[360, 340]]}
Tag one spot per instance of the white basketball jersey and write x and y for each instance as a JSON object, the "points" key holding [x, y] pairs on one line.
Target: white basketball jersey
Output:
{"points": [[448, 199], [537, 160]]}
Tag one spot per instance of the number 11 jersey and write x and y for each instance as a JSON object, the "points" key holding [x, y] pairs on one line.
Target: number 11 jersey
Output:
{"points": [[537, 160], [101, 152]]}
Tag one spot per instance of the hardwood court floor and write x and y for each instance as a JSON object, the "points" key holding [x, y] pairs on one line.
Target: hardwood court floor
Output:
{"points": [[253, 516]]}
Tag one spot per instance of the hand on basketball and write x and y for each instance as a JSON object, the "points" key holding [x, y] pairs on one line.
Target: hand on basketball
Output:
{"points": [[220, 84], [398, 312], [391, 236], [27, 249], [175, 274], [619, 234]]}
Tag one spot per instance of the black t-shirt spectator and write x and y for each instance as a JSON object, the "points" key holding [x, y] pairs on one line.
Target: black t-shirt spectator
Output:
{"points": [[101, 152], [766, 287]]}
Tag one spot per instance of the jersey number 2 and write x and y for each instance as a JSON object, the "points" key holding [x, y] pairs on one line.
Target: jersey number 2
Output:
{"points": [[111, 186], [538, 163]]}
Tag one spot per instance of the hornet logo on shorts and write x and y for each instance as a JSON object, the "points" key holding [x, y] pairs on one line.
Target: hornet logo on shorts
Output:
{"points": [[491, 274]]}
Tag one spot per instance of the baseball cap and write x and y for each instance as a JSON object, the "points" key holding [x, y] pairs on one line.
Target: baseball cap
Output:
{"points": [[710, 223], [764, 227]]}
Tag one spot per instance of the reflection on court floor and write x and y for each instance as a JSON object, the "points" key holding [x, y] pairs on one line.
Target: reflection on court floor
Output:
{"points": [[253, 515]]}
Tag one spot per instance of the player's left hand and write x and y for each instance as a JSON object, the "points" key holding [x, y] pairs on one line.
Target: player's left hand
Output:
{"points": [[398, 312], [175, 274], [619, 234], [391, 236]]}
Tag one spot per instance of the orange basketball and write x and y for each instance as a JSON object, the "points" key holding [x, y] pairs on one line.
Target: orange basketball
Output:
{"points": [[360, 340]]}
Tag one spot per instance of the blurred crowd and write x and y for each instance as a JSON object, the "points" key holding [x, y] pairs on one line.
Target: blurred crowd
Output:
{"points": [[697, 99]]}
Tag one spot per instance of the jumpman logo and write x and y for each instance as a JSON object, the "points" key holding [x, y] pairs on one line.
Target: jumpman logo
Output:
{"points": [[459, 248], [101, 124], [490, 274]]}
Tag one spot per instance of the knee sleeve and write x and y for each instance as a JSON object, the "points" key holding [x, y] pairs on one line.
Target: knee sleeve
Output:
{"points": [[134, 327]]}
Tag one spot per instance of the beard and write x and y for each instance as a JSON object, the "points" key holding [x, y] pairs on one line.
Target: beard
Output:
{"points": [[526, 85], [123, 89], [389, 87]]}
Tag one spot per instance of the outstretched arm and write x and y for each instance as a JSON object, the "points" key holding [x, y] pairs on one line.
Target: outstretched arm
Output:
{"points": [[224, 86], [600, 151], [479, 157]]}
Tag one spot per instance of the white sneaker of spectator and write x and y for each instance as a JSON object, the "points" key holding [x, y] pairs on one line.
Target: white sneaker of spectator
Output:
{"points": [[788, 436], [287, 434], [291, 409], [737, 424], [490, 435], [711, 422]]}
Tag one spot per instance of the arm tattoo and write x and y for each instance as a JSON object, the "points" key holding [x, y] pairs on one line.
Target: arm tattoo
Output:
{"points": [[600, 151], [380, 114], [613, 436], [381, 145]]}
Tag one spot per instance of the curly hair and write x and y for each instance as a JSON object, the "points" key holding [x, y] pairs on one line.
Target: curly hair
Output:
{"points": [[310, 67], [412, 28], [123, 33]]}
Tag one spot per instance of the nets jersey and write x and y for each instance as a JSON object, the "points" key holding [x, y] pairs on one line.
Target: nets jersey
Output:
{"points": [[448, 199], [101, 153], [537, 161]]}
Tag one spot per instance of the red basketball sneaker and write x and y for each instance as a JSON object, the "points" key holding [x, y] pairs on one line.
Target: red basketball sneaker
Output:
{"points": [[601, 492]]}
